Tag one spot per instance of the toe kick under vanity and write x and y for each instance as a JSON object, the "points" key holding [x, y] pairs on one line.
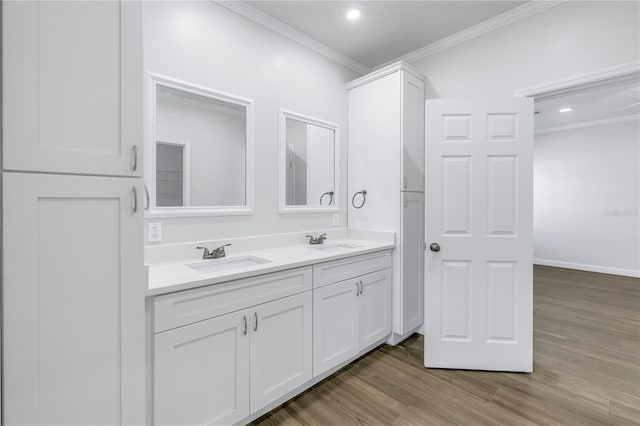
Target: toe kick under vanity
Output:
{"points": [[227, 345]]}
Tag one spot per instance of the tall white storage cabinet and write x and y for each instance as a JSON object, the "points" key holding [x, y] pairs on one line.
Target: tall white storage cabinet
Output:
{"points": [[73, 275], [386, 158]]}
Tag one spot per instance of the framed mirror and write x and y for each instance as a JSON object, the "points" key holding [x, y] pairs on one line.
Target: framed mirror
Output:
{"points": [[199, 151], [309, 164]]}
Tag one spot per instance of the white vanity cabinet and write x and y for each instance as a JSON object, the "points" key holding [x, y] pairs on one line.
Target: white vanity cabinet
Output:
{"points": [[201, 372], [72, 87], [222, 369], [352, 315], [386, 158]]}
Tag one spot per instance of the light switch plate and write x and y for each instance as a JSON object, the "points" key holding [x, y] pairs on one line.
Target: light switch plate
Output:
{"points": [[154, 233], [335, 220]]}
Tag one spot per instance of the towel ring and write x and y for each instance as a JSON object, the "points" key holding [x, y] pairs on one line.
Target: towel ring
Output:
{"points": [[330, 194], [364, 199]]}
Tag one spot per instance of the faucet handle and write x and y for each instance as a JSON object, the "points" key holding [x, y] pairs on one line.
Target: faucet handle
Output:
{"points": [[322, 237], [206, 252]]}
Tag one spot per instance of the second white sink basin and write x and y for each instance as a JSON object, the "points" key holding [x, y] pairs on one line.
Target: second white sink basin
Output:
{"points": [[333, 247], [224, 264]]}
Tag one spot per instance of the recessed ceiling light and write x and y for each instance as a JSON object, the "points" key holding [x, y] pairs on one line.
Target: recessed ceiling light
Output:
{"points": [[353, 14], [565, 109]]}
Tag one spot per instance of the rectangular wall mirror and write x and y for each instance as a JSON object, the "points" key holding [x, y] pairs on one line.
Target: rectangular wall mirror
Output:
{"points": [[308, 164], [200, 150]]}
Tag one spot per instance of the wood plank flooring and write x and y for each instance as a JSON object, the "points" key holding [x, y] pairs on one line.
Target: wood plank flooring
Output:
{"points": [[586, 370]]}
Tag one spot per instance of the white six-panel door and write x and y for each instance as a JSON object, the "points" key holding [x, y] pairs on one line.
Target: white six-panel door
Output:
{"points": [[478, 309]]}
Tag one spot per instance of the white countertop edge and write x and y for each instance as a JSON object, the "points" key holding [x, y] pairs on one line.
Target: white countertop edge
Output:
{"points": [[266, 268]]}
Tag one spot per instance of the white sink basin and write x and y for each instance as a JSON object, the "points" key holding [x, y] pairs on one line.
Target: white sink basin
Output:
{"points": [[225, 264], [333, 247]]}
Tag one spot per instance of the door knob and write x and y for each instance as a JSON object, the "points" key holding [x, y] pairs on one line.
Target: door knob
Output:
{"points": [[434, 247]]}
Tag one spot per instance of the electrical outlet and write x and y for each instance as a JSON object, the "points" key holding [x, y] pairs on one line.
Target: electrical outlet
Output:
{"points": [[154, 233], [335, 220]]}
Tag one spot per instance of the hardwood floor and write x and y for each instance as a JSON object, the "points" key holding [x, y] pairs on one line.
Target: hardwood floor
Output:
{"points": [[586, 370]]}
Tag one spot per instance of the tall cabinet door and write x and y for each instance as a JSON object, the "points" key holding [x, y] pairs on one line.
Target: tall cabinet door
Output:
{"points": [[73, 320], [412, 133], [410, 302], [335, 325], [202, 372], [375, 307], [281, 348], [72, 87]]}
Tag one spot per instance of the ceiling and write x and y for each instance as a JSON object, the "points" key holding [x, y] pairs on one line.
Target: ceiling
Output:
{"points": [[596, 103], [385, 30]]}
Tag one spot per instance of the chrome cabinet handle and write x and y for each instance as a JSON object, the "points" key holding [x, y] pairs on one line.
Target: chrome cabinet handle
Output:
{"points": [[134, 207], [361, 287], [405, 201], [435, 247], [244, 318], [147, 202], [404, 182], [134, 158], [255, 315], [357, 289]]}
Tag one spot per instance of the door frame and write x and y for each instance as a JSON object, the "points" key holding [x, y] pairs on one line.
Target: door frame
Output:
{"points": [[576, 83]]}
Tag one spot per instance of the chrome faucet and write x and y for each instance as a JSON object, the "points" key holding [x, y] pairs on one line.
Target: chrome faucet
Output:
{"points": [[216, 253], [317, 240]]}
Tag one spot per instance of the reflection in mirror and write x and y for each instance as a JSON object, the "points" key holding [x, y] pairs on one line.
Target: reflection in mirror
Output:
{"points": [[199, 158], [216, 132], [309, 147]]}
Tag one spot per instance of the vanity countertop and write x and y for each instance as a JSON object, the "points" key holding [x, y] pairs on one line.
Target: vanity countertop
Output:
{"points": [[169, 277]]}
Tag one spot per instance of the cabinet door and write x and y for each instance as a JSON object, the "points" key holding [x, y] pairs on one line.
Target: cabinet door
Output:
{"points": [[375, 307], [412, 133], [281, 348], [72, 86], [410, 303], [335, 325], [73, 319], [201, 372]]}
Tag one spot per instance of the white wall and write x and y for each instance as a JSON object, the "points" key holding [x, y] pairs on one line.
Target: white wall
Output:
{"points": [[204, 43], [587, 198], [572, 38]]}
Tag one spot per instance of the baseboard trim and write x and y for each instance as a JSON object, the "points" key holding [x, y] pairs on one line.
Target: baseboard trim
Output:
{"points": [[590, 268]]}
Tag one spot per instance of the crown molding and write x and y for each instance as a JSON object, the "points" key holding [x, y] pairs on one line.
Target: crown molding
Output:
{"points": [[590, 123], [381, 72], [267, 21], [582, 81], [484, 27]]}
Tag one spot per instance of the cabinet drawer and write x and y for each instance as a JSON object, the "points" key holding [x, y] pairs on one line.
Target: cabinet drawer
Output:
{"points": [[343, 269], [186, 307]]}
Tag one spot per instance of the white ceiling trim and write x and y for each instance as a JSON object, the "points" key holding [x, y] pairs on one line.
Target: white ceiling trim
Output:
{"points": [[477, 30], [268, 21], [589, 123], [562, 86]]}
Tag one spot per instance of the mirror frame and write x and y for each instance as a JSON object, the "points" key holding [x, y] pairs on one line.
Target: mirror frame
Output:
{"points": [[154, 80], [282, 162]]}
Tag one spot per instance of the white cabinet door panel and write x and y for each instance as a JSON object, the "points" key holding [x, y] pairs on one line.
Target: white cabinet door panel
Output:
{"points": [[201, 372], [335, 325], [374, 304], [281, 348], [72, 86], [412, 133], [73, 319], [409, 297]]}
